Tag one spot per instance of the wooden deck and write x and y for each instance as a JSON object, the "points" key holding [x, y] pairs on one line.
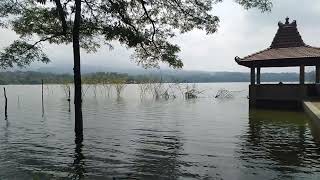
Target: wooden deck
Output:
{"points": [[312, 108]]}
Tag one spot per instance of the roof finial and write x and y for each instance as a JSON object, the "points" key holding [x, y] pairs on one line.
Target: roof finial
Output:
{"points": [[287, 20]]}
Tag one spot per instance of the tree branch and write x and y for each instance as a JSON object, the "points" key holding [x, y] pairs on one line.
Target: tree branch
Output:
{"points": [[91, 10], [61, 16], [150, 19], [42, 40]]}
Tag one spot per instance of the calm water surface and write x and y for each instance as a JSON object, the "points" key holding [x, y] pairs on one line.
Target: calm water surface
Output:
{"points": [[134, 138]]}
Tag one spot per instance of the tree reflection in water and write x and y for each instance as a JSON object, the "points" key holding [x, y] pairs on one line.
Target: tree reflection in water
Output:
{"points": [[278, 142], [78, 166], [157, 157]]}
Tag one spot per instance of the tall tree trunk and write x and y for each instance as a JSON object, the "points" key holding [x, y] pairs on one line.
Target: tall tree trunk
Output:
{"points": [[77, 72]]}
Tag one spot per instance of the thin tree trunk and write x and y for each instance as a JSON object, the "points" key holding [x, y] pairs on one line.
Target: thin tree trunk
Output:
{"points": [[77, 71]]}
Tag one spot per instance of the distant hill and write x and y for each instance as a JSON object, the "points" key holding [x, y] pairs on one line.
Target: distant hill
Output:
{"points": [[35, 77], [85, 69], [202, 77], [177, 75]]}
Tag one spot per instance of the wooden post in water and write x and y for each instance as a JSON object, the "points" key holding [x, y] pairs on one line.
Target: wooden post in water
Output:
{"points": [[42, 98], [42, 92], [69, 98], [69, 94], [6, 103]]}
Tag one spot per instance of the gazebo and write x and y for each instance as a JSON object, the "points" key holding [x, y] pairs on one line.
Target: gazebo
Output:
{"points": [[286, 50]]}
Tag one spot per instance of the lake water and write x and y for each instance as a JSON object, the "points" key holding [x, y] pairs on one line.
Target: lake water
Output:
{"points": [[142, 138]]}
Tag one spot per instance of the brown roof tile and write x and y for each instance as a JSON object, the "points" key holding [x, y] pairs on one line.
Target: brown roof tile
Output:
{"points": [[287, 36], [287, 44], [284, 53]]}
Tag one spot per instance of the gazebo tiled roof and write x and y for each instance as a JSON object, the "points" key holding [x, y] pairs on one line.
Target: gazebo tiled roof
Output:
{"points": [[287, 49]]}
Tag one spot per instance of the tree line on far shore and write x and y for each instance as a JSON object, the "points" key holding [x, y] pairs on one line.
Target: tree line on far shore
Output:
{"points": [[33, 77]]}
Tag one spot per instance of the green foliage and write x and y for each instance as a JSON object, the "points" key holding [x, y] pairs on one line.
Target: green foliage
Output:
{"points": [[145, 25], [263, 5], [21, 53], [30, 77]]}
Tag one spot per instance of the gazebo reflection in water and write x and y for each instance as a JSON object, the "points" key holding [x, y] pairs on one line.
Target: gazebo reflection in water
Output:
{"points": [[286, 50], [279, 142]]}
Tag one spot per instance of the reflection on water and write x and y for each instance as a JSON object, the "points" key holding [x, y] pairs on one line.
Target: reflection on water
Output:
{"points": [[157, 155], [78, 165], [134, 138], [279, 145]]}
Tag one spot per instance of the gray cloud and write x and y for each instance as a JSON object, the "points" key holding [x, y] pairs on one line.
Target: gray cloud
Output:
{"points": [[245, 32], [241, 33]]}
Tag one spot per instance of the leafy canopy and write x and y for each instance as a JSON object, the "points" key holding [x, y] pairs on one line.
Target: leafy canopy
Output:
{"points": [[145, 25]]}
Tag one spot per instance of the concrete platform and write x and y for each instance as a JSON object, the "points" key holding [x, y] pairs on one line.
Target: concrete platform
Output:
{"points": [[312, 108]]}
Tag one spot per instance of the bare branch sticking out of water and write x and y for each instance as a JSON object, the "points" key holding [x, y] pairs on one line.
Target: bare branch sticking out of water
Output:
{"points": [[144, 88], [106, 86], [119, 86], [192, 92], [224, 94], [66, 87]]}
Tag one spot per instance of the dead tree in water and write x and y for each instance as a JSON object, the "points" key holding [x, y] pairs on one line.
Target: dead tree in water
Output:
{"points": [[192, 92], [107, 86], [162, 90], [144, 87], [66, 89], [66, 86], [6, 103], [224, 94], [157, 89], [119, 86]]}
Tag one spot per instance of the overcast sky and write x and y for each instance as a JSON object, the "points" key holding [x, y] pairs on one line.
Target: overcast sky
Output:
{"points": [[241, 32]]}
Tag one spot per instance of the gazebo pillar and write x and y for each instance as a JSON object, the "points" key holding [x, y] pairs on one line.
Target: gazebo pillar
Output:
{"points": [[258, 75], [252, 76], [317, 74], [301, 74]]}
